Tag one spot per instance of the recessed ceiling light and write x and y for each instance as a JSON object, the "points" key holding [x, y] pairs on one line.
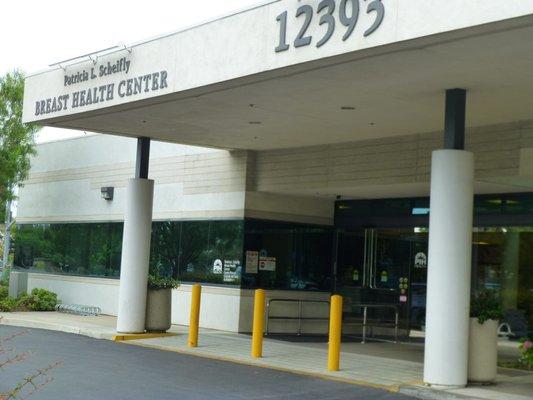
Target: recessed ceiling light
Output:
{"points": [[255, 122], [372, 124], [347, 108]]}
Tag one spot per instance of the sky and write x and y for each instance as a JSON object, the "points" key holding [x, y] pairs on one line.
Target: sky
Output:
{"points": [[35, 34]]}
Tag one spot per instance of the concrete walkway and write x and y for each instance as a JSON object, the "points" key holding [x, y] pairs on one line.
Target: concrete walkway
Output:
{"points": [[355, 368], [393, 367]]}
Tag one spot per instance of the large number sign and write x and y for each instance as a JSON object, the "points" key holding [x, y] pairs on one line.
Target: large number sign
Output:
{"points": [[347, 15]]}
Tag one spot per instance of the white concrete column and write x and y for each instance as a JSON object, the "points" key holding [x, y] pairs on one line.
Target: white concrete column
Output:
{"points": [[449, 268], [135, 256]]}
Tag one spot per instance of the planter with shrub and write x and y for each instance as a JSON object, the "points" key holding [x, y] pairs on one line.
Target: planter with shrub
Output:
{"points": [[159, 303], [485, 313]]}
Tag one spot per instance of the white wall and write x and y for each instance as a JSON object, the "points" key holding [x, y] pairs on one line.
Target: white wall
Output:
{"points": [[390, 167], [219, 306], [96, 292], [292, 208], [191, 182]]}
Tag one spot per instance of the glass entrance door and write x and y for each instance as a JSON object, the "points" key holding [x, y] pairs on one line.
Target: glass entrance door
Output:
{"points": [[384, 267]]}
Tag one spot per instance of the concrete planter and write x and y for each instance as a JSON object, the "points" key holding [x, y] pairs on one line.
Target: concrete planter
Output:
{"points": [[158, 310], [483, 351]]}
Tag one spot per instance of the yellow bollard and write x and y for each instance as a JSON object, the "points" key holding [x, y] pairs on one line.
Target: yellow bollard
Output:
{"points": [[335, 327], [194, 319], [259, 323]]}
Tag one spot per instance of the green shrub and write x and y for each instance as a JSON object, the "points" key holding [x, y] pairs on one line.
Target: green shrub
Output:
{"points": [[8, 304], [4, 276], [38, 300], [485, 305], [3, 292], [526, 347], [161, 282]]}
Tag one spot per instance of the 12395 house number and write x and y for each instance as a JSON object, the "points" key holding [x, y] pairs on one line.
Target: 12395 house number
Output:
{"points": [[347, 13]]}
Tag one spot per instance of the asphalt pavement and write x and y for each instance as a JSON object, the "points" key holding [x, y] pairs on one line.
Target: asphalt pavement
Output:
{"points": [[101, 369]]}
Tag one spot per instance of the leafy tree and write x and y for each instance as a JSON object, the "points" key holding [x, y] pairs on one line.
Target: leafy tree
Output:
{"points": [[17, 140], [17, 145]]}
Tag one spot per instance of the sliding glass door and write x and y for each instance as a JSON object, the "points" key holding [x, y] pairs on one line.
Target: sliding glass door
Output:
{"points": [[376, 266]]}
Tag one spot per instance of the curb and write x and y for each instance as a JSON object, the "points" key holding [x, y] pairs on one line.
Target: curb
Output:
{"points": [[139, 336], [54, 327], [425, 393], [23, 323]]}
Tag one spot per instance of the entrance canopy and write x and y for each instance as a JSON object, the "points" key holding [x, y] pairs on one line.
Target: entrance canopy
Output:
{"points": [[288, 74]]}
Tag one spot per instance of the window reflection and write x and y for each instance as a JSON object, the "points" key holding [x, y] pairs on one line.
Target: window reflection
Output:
{"points": [[76, 249], [186, 250], [503, 260], [290, 256], [198, 251]]}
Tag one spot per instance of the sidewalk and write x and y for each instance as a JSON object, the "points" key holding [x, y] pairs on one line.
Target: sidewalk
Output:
{"points": [[393, 367], [101, 327]]}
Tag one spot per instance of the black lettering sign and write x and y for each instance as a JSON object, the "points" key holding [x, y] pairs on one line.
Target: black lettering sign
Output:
{"points": [[52, 105], [104, 93], [122, 65]]}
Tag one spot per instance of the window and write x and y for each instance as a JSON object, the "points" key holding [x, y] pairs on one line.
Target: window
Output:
{"points": [[502, 260], [187, 250], [291, 256], [198, 251], [76, 249]]}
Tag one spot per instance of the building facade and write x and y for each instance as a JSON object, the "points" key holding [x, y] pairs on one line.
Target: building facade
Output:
{"points": [[378, 149]]}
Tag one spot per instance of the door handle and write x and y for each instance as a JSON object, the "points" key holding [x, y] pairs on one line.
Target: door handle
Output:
{"points": [[375, 257], [371, 263]]}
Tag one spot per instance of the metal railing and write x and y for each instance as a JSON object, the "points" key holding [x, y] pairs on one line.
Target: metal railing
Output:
{"points": [[78, 309], [299, 318], [365, 323]]}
